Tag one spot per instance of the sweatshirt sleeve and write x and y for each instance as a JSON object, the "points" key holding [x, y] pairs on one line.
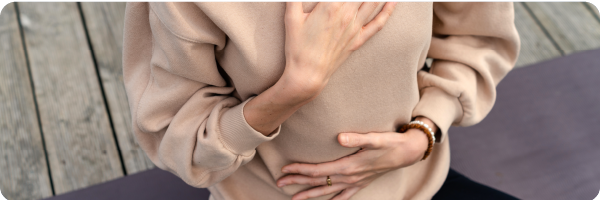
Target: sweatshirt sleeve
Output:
{"points": [[183, 112], [474, 45]]}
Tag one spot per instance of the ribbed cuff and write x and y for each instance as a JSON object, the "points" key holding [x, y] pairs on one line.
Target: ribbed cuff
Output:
{"points": [[440, 107], [237, 135]]}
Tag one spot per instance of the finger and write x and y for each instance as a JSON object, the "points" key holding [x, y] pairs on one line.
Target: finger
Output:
{"points": [[328, 6], [369, 140], [365, 10], [303, 180], [350, 11], [347, 193], [377, 24], [320, 191], [344, 166], [351, 6], [321, 180], [293, 11]]}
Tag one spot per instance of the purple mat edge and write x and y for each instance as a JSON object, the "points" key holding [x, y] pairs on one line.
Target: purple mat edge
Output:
{"points": [[154, 184]]}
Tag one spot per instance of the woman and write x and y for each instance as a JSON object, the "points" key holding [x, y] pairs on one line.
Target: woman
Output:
{"points": [[305, 100]]}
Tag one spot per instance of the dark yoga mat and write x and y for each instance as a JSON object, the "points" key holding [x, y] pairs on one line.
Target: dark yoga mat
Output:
{"points": [[154, 184], [540, 141], [542, 138]]}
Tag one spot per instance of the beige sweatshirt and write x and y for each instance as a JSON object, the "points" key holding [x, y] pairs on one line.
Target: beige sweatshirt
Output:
{"points": [[189, 68]]}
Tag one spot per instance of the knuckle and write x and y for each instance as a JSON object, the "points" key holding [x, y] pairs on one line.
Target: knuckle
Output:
{"points": [[389, 12], [314, 182], [356, 28], [352, 179], [348, 171], [347, 19], [380, 142], [314, 173], [356, 140], [292, 178], [344, 172], [332, 8], [379, 27], [293, 181], [375, 140]]}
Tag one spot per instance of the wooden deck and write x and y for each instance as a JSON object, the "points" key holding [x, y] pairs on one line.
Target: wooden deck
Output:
{"points": [[64, 116]]}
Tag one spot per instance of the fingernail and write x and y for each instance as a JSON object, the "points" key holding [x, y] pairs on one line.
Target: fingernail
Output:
{"points": [[345, 139]]}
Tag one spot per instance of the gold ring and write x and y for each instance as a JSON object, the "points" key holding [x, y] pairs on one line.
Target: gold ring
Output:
{"points": [[328, 181]]}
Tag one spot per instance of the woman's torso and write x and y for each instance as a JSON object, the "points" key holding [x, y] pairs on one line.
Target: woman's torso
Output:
{"points": [[375, 90]]}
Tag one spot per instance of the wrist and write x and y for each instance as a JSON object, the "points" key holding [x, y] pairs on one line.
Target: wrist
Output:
{"points": [[300, 85], [419, 140], [289, 93], [272, 107], [421, 135]]}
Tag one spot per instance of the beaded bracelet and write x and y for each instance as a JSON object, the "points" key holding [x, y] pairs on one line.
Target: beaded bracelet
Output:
{"points": [[422, 126], [426, 126]]}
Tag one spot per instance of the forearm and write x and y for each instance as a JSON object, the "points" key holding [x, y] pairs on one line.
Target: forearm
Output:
{"points": [[272, 107]]}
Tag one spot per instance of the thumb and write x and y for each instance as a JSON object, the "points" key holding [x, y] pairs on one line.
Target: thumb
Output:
{"points": [[369, 140]]}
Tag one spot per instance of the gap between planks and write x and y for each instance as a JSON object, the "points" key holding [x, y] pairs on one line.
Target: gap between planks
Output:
{"points": [[105, 23], [81, 148]]}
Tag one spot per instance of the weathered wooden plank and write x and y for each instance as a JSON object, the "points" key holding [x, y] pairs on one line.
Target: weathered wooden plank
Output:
{"points": [[23, 168], [570, 24], [104, 23], [594, 9], [535, 45], [79, 141]]}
